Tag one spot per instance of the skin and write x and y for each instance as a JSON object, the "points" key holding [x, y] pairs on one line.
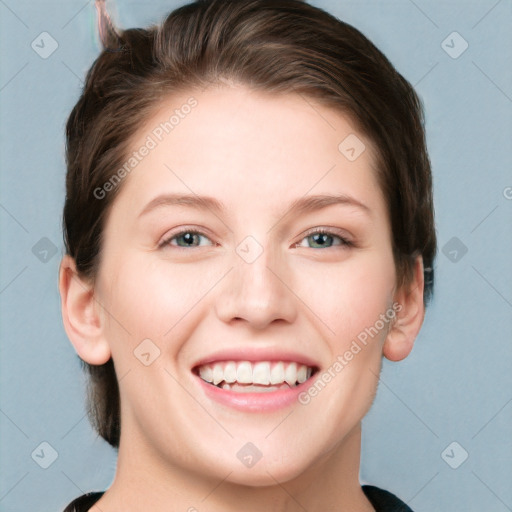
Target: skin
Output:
{"points": [[256, 152]]}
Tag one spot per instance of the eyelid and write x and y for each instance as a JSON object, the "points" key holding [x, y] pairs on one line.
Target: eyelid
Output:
{"points": [[346, 238], [166, 239]]}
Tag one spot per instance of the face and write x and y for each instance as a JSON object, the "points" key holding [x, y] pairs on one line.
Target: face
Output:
{"points": [[281, 277]]}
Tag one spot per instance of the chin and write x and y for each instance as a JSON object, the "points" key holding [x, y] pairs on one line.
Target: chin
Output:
{"points": [[269, 470], [265, 476]]}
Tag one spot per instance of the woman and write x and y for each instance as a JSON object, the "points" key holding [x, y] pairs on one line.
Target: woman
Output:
{"points": [[249, 228]]}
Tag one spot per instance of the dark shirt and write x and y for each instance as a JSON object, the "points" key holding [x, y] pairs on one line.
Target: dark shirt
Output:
{"points": [[382, 501]]}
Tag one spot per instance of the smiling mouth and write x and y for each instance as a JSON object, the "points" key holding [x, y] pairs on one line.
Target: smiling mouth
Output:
{"points": [[255, 377]]}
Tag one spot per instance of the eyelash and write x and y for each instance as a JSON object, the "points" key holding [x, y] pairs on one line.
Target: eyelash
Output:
{"points": [[167, 240], [323, 231], [317, 231]]}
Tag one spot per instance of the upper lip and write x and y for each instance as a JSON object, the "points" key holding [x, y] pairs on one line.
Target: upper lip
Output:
{"points": [[255, 354]]}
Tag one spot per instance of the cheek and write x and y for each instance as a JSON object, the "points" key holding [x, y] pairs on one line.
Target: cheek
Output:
{"points": [[150, 297], [349, 297]]}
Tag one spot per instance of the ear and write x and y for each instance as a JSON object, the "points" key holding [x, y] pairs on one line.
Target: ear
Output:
{"points": [[410, 312], [81, 315]]}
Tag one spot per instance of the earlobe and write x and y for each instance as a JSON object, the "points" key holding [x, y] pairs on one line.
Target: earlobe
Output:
{"points": [[410, 312], [81, 316]]}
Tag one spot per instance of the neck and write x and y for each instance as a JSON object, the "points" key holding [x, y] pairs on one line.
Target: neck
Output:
{"points": [[145, 482]]}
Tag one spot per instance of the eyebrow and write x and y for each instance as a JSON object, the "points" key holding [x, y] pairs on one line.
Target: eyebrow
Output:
{"points": [[193, 201], [301, 205]]}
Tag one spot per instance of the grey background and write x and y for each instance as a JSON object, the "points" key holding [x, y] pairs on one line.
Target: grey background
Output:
{"points": [[455, 387]]}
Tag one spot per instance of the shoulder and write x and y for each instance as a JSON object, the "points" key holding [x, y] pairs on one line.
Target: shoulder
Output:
{"points": [[84, 503], [384, 501]]}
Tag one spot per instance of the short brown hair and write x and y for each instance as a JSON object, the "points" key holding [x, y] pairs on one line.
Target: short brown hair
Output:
{"points": [[278, 46]]}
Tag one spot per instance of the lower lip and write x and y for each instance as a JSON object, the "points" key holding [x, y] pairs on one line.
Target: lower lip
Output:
{"points": [[254, 402]]}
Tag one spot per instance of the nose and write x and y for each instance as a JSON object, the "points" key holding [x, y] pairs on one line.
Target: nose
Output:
{"points": [[257, 293]]}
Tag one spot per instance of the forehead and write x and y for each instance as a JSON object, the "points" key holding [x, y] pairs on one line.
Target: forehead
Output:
{"points": [[248, 146]]}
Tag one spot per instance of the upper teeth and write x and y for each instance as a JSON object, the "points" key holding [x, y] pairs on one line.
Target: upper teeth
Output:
{"points": [[262, 372]]}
